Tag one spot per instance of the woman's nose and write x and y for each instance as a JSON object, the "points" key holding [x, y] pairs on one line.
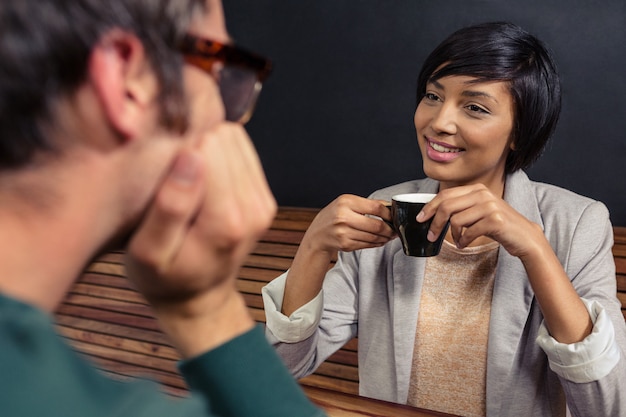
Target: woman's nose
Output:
{"points": [[444, 119]]}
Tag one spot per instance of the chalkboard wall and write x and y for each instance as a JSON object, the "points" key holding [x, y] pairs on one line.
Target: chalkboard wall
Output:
{"points": [[336, 116]]}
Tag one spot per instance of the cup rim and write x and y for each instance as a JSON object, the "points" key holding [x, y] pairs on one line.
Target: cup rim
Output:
{"points": [[413, 197]]}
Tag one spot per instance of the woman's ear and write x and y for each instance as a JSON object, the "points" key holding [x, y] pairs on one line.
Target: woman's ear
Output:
{"points": [[124, 82]]}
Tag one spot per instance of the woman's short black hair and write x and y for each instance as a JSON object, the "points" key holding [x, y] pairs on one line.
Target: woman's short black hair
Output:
{"points": [[44, 52], [502, 51]]}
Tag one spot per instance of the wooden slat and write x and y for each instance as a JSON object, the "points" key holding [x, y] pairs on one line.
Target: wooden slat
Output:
{"points": [[113, 281], [258, 274], [250, 287], [93, 314], [127, 344], [107, 268], [116, 257], [278, 250], [121, 330], [619, 249], [294, 218], [258, 315], [121, 305], [337, 370], [112, 293], [619, 233], [253, 300], [321, 381], [619, 252], [283, 236], [268, 262], [344, 356]]}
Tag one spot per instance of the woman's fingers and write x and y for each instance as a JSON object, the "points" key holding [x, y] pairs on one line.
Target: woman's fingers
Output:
{"points": [[349, 223], [473, 211]]}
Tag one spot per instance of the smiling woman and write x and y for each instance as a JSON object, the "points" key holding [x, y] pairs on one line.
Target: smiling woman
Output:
{"points": [[515, 288]]}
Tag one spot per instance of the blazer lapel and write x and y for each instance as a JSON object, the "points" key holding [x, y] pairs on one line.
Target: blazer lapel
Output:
{"points": [[408, 273], [511, 301]]}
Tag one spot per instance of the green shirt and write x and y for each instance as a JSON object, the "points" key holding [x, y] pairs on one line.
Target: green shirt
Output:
{"points": [[40, 375]]}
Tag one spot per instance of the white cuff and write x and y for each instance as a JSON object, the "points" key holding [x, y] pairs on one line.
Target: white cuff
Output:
{"points": [[588, 360], [301, 324]]}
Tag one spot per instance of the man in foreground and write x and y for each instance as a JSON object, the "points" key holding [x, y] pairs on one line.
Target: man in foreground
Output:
{"points": [[113, 131]]}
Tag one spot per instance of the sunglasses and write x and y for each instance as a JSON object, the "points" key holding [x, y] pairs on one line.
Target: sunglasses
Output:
{"points": [[239, 74]]}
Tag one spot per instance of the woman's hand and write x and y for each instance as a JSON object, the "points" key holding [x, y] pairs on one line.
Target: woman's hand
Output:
{"points": [[347, 224], [474, 211]]}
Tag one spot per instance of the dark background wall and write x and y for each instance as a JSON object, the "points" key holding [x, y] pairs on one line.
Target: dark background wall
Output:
{"points": [[337, 114]]}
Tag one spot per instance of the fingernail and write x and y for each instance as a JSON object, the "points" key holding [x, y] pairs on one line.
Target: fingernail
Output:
{"points": [[420, 216], [430, 236], [186, 168]]}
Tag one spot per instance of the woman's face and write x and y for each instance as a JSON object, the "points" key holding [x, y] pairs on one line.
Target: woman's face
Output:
{"points": [[464, 131]]}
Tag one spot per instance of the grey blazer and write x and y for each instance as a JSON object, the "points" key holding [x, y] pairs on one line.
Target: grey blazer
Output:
{"points": [[375, 294]]}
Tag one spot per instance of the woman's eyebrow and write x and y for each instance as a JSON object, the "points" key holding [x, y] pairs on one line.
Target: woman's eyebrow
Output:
{"points": [[437, 84], [472, 93]]}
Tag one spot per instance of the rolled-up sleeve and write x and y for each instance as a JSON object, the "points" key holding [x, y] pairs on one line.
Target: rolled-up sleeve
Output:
{"points": [[588, 360], [301, 324]]}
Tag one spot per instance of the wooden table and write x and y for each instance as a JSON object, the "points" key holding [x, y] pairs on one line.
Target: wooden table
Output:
{"points": [[338, 404]]}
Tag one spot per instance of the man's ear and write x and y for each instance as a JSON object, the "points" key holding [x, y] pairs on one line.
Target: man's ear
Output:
{"points": [[124, 82]]}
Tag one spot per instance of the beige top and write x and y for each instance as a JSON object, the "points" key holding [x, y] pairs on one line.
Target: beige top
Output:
{"points": [[450, 356]]}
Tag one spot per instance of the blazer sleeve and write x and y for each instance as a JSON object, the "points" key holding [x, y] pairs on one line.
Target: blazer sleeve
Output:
{"points": [[591, 267], [309, 336]]}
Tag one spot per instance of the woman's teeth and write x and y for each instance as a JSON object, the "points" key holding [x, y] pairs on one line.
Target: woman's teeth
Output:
{"points": [[440, 148]]}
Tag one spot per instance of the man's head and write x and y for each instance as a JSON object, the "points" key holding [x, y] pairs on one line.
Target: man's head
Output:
{"points": [[45, 48], [99, 98], [110, 122]]}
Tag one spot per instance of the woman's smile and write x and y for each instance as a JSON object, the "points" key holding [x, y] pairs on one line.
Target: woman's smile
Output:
{"points": [[442, 152]]}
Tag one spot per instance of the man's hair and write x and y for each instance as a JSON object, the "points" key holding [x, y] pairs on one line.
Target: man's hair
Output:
{"points": [[502, 51], [44, 53]]}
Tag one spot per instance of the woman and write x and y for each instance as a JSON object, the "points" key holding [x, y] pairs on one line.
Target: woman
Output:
{"points": [[518, 315]]}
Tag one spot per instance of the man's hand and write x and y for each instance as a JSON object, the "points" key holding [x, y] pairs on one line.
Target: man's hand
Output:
{"points": [[205, 219]]}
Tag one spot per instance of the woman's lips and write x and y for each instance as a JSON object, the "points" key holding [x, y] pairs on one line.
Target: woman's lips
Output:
{"points": [[442, 152]]}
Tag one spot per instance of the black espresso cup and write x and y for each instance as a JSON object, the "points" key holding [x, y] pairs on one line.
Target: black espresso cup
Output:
{"points": [[404, 210]]}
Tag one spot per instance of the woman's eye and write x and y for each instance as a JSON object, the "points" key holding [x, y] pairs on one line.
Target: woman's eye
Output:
{"points": [[431, 97], [476, 109]]}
